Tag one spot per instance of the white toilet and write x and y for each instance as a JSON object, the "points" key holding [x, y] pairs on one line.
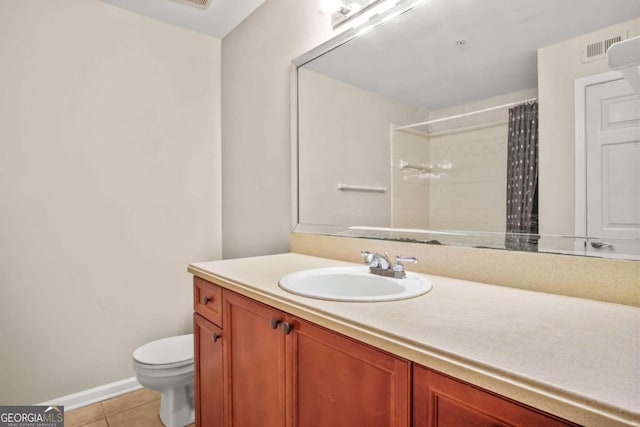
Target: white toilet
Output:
{"points": [[166, 366]]}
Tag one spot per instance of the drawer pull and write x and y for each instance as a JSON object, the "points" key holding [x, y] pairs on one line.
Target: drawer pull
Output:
{"points": [[215, 337], [287, 328], [206, 300], [275, 322]]}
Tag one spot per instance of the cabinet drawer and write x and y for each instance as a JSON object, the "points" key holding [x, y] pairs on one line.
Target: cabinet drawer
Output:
{"points": [[207, 300]]}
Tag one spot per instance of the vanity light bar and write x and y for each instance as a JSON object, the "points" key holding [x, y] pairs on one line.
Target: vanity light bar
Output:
{"points": [[378, 9], [384, 10], [337, 6], [359, 23]]}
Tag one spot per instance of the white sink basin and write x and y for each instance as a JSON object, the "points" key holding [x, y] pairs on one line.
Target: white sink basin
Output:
{"points": [[353, 284]]}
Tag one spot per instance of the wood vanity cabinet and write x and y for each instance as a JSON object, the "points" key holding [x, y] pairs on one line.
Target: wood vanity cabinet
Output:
{"points": [[442, 401], [258, 366], [281, 370], [263, 367]]}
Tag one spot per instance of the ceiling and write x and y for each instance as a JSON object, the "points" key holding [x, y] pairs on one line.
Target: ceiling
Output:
{"points": [[217, 20], [415, 58]]}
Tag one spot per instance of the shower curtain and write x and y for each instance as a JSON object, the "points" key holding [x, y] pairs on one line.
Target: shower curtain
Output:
{"points": [[522, 178]]}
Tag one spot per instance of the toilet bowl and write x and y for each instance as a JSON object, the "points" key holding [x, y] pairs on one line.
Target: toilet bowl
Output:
{"points": [[166, 366]]}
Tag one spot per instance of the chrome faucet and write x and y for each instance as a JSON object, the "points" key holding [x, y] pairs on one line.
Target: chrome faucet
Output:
{"points": [[379, 264], [376, 260]]}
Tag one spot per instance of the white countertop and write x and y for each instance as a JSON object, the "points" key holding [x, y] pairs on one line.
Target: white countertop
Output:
{"points": [[575, 358]]}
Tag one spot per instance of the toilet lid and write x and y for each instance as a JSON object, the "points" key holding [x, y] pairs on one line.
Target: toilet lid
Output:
{"points": [[166, 351]]}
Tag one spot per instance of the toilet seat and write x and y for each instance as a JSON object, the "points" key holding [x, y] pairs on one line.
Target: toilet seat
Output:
{"points": [[166, 367], [166, 353]]}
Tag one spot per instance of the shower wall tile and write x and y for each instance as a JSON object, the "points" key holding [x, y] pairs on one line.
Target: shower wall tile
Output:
{"points": [[410, 194], [471, 196]]}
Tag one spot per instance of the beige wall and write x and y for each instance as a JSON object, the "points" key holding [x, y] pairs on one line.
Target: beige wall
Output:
{"points": [[109, 139], [256, 120], [345, 137], [558, 67]]}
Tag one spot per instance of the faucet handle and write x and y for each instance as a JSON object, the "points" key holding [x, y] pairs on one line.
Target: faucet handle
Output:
{"points": [[410, 259], [398, 267], [383, 261], [367, 256]]}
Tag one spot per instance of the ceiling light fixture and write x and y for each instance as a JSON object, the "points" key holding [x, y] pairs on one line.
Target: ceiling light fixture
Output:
{"points": [[372, 14], [334, 6], [342, 10], [383, 7], [359, 23], [355, 7]]}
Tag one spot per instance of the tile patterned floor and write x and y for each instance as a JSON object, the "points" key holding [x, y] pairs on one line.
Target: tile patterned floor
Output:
{"points": [[136, 409]]}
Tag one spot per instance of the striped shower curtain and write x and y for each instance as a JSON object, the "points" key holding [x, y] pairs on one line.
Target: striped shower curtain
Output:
{"points": [[522, 178]]}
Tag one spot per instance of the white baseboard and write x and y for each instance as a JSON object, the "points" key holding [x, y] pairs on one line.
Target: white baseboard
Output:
{"points": [[96, 394]]}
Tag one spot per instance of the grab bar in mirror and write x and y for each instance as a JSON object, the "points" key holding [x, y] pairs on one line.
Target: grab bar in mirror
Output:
{"points": [[362, 188], [405, 166]]}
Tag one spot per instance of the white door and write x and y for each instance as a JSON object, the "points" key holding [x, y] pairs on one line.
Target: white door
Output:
{"points": [[613, 169]]}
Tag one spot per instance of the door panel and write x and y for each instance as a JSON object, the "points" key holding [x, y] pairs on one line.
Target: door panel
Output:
{"points": [[613, 167], [254, 356], [441, 401], [620, 171], [340, 382], [208, 372]]}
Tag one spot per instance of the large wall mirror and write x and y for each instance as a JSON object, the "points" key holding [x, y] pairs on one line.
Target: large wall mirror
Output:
{"points": [[493, 123]]}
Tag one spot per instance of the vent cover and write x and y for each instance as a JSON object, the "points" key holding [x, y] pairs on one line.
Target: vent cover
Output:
{"points": [[199, 3], [597, 50]]}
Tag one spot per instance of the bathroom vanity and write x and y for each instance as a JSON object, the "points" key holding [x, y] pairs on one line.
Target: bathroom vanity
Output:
{"points": [[463, 354]]}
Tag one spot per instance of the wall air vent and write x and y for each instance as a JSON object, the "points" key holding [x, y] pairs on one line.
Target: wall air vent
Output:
{"points": [[598, 50], [199, 3]]}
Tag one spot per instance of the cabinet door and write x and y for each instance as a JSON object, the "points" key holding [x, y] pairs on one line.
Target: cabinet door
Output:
{"points": [[340, 382], [441, 401], [208, 372], [254, 356]]}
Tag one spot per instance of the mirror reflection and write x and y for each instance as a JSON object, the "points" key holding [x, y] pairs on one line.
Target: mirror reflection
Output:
{"points": [[500, 121]]}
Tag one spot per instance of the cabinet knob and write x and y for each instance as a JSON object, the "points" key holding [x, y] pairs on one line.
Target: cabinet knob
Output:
{"points": [[275, 322], [287, 328], [215, 337], [206, 300]]}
